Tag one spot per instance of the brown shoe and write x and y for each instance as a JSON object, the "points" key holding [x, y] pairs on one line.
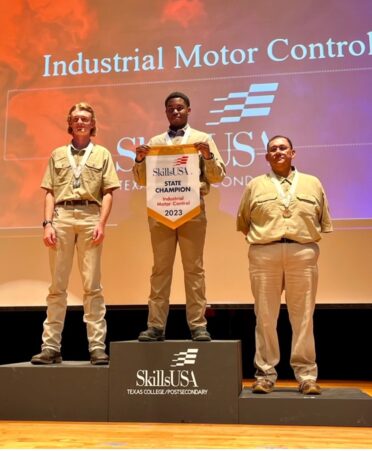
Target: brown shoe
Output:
{"points": [[309, 387], [47, 356], [263, 386], [99, 357]]}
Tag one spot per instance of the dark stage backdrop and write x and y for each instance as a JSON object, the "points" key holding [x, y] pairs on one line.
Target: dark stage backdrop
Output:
{"points": [[251, 68]]}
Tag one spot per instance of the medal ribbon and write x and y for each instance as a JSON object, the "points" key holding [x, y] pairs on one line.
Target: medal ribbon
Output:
{"points": [[77, 169], [286, 198]]}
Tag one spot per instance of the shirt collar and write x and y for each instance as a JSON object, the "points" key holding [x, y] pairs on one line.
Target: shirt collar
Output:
{"points": [[77, 151], [288, 179], [179, 132]]}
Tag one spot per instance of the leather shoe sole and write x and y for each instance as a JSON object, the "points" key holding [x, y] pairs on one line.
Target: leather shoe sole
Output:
{"points": [[152, 334], [263, 386], [309, 387], [47, 357], [200, 335], [99, 357]]}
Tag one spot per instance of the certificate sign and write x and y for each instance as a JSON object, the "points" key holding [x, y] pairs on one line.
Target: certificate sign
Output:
{"points": [[173, 186]]}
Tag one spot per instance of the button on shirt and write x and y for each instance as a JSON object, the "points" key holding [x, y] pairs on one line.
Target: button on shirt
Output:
{"points": [[260, 215]]}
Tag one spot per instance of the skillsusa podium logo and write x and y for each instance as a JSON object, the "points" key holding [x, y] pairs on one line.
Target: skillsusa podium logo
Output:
{"points": [[178, 379], [185, 358]]}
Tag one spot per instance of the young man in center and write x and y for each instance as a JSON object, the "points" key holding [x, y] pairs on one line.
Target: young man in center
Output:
{"points": [[190, 236]]}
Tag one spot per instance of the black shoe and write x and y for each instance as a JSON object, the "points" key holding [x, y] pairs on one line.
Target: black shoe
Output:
{"points": [[99, 357], [200, 334], [152, 334], [47, 356]]}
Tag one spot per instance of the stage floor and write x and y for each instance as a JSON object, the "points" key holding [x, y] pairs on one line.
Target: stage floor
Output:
{"points": [[67, 435]]}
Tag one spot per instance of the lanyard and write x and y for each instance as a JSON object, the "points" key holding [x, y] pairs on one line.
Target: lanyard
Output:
{"points": [[286, 198], [77, 169]]}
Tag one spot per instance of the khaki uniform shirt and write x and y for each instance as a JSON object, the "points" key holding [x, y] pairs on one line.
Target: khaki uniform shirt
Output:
{"points": [[98, 175], [211, 171], [260, 214]]}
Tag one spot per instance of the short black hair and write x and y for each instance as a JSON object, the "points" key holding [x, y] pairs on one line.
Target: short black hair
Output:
{"points": [[175, 94], [279, 136]]}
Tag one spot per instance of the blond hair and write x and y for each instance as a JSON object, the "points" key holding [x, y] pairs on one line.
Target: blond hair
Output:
{"points": [[82, 106]]}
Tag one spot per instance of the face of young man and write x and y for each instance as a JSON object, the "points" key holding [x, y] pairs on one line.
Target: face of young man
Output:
{"points": [[81, 123], [280, 155], [177, 112]]}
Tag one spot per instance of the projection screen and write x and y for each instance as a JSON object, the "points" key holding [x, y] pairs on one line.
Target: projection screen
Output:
{"points": [[252, 69]]}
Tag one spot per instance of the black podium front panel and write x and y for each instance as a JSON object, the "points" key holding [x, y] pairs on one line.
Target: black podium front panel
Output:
{"points": [[334, 407], [70, 391], [175, 381]]}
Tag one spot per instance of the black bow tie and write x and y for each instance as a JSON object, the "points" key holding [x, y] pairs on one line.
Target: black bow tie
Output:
{"points": [[76, 151], [174, 133]]}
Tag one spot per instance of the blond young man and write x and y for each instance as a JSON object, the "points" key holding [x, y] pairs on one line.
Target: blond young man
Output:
{"points": [[79, 183]]}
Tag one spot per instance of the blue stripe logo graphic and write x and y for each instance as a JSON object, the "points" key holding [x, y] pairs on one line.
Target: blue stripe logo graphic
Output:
{"points": [[237, 105]]}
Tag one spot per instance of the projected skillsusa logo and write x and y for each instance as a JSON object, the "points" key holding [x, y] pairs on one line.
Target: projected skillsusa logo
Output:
{"points": [[239, 105], [175, 380]]}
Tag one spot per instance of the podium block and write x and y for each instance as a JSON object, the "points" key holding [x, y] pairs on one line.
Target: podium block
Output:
{"points": [[70, 391], [284, 406], [175, 381], [171, 381]]}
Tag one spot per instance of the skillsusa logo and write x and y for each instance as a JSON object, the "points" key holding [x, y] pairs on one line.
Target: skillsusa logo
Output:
{"points": [[185, 358], [181, 160], [174, 380], [238, 105]]}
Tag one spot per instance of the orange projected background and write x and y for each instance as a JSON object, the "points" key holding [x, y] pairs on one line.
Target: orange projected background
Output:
{"points": [[251, 71]]}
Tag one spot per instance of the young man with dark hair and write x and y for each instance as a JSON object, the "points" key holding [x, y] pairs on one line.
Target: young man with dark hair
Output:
{"points": [[190, 236]]}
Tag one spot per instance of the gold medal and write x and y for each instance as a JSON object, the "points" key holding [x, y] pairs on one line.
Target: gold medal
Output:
{"points": [[77, 169], [76, 183]]}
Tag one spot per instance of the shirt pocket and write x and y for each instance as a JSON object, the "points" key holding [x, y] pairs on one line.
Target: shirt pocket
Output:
{"points": [[62, 171], [93, 171], [265, 206], [92, 177], [307, 204]]}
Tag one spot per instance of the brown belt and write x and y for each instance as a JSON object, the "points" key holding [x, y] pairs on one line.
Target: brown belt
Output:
{"points": [[77, 202]]}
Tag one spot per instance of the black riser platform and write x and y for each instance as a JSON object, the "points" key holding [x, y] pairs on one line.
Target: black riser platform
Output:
{"points": [[171, 381]]}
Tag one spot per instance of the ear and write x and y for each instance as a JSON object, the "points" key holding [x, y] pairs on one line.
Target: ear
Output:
{"points": [[188, 110], [267, 156], [293, 153]]}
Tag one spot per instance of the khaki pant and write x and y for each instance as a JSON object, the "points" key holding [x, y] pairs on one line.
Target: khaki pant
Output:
{"points": [[293, 267], [191, 238], [74, 228]]}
